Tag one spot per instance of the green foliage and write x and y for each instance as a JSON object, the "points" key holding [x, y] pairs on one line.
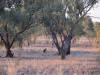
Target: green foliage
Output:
{"points": [[1, 6], [75, 9], [97, 30], [88, 26], [23, 16], [17, 22]]}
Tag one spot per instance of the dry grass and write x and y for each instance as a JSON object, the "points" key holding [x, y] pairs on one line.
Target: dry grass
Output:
{"points": [[81, 62]]}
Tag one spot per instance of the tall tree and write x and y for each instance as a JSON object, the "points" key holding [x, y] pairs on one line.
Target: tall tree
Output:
{"points": [[16, 20], [75, 11]]}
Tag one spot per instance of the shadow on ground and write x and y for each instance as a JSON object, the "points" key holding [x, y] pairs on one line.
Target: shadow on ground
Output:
{"points": [[51, 54]]}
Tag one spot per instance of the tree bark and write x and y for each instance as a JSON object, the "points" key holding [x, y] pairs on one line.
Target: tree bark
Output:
{"points": [[55, 41], [66, 46], [58, 48], [9, 53], [68, 50]]}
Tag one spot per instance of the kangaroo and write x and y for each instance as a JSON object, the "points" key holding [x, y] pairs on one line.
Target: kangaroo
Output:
{"points": [[44, 50]]}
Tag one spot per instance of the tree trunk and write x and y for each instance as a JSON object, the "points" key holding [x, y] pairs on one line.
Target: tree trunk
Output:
{"points": [[65, 50], [55, 41], [63, 54], [9, 53], [66, 47], [68, 50], [58, 48]]}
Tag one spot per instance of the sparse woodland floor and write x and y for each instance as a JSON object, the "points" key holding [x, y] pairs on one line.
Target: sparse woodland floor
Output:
{"points": [[32, 61]]}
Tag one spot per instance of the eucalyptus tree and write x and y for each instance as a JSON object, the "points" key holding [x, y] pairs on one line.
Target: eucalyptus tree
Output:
{"points": [[68, 26], [16, 21]]}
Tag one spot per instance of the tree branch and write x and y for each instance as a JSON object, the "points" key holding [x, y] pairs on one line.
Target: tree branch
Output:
{"points": [[7, 35], [2, 39], [72, 28], [23, 30]]}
